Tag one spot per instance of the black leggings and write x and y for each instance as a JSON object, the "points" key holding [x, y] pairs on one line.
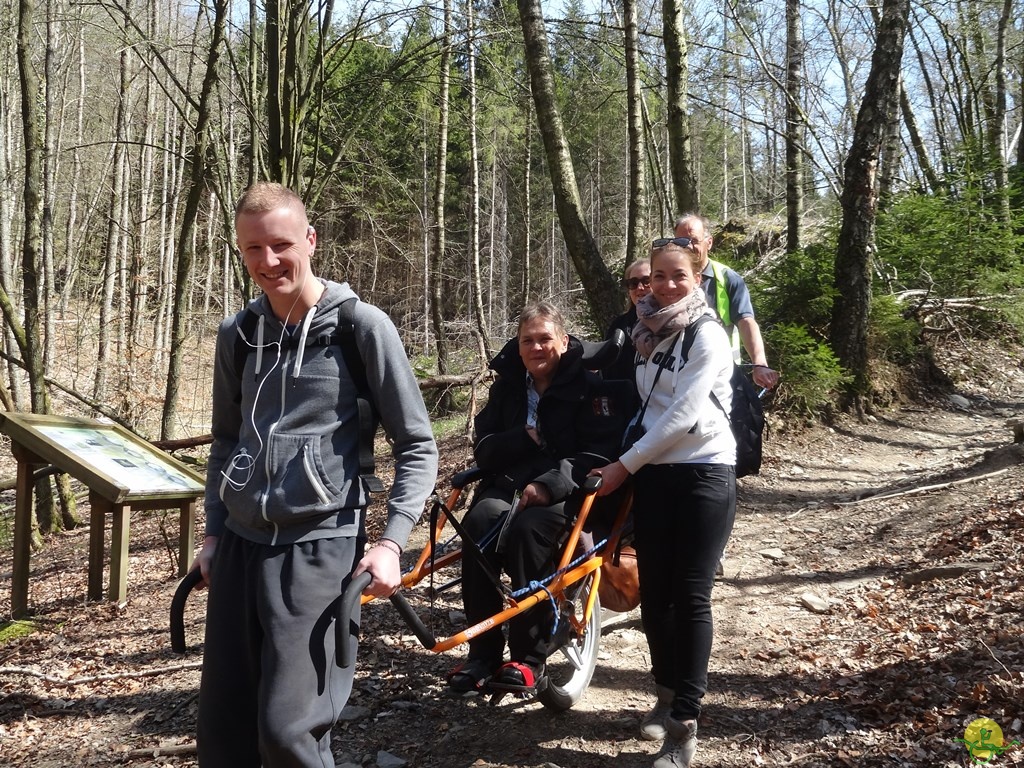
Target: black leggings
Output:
{"points": [[683, 515]]}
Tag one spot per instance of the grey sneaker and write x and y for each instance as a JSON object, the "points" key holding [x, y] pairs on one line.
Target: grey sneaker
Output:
{"points": [[680, 744], [652, 727]]}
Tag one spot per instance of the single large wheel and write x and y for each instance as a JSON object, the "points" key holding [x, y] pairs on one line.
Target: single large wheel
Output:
{"points": [[570, 668]]}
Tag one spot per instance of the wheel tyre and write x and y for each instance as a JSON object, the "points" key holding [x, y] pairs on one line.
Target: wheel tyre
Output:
{"points": [[566, 683]]}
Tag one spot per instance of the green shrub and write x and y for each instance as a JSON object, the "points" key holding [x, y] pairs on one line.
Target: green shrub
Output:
{"points": [[951, 246], [811, 375], [798, 290], [891, 336]]}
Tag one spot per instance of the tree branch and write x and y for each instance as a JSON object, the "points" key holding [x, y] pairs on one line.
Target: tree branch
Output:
{"points": [[127, 675]]}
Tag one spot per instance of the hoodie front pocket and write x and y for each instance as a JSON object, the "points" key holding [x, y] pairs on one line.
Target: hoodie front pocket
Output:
{"points": [[309, 464], [297, 481]]}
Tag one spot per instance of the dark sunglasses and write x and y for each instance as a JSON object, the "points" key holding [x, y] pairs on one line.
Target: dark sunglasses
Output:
{"points": [[635, 282], [682, 242]]}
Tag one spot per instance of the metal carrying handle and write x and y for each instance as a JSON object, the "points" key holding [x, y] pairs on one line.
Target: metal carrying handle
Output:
{"points": [[342, 622], [185, 587], [350, 598]]}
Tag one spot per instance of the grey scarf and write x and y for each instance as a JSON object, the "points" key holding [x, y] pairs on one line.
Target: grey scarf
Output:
{"points": [[656, 323]]}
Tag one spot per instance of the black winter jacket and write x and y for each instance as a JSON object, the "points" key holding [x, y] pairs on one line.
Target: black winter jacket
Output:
{"points": [[580, 420], [624, 366]]}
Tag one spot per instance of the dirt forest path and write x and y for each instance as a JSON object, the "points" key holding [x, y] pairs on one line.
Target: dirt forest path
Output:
{"points": [[863, 620]]}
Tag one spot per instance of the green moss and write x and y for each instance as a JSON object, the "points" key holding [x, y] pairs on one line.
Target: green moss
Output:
{"points": [[12, 630]]}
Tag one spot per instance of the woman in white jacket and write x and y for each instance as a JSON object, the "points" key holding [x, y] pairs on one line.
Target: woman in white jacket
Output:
{"points": [[684, 501]]}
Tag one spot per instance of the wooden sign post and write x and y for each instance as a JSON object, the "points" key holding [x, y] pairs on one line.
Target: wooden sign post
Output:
{"points": [[122, 472]]}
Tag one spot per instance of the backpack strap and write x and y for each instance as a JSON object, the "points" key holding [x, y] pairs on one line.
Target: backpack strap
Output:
{"points": [[688, 336], [369, 414], [691, 333], [345, 338], [246, 330]]}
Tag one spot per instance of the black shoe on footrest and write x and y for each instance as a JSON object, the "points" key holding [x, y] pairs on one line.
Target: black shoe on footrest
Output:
{"points": [[519, 677], [470, 675]]}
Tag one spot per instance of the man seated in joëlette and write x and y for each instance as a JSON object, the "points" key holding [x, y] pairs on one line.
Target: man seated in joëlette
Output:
{"points": [[545, 426]]}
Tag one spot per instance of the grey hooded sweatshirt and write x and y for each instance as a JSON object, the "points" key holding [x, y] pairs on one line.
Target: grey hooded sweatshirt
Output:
{"points": [[284, 466]]}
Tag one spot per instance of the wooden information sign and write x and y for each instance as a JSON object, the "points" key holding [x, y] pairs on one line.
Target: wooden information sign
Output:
{"points": [[122, 472]]}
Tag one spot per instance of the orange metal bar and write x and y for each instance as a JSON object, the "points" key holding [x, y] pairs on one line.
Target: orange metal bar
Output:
{"points": [[421, 569], [453, 499], [569, 551], [556, 587]]}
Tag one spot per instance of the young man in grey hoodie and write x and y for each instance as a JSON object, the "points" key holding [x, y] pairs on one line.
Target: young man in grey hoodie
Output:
{"points": [[284, 500]]}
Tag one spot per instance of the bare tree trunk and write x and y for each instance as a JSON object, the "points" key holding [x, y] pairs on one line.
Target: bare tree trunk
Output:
{"points": [[525, 285], [891, 155], [849, 328], [483, 337], [197, 182], [128, 403], [253, 155], [71, 256], [51, 121], [725, 78], [275, 103], [13, 338], [165, 242], [440, 184], [292, 87], [997, 123], [492, 231], [62, 483], [1020, 100], [794, 127], [662, 192], [425, 225], [636, 216], [684, 181], [935, 184], [598, 283], [114, 231], [210, 247], [139, 260], [30, 339]]}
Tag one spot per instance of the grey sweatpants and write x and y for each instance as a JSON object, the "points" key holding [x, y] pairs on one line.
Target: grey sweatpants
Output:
{"points": [[271, 689]]}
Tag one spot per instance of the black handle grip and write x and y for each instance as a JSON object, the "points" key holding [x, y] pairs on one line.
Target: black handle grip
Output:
{"points": [[185, 587], [467, 476], [343, 621], [411, 618], [592, 484]]}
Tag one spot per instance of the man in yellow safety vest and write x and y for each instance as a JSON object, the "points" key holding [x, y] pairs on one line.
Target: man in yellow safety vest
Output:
{"points": [[727, 294]]}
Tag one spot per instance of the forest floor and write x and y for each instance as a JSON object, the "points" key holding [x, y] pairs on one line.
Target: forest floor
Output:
{"points": [[871, 609]]}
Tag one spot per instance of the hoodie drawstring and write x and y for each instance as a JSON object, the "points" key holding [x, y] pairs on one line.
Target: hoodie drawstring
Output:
{"points": [[306, 321], [259, 344]]}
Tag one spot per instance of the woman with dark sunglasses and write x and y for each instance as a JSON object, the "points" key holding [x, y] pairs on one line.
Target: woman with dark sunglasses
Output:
{"points": [[684, 491], [637, 282]]}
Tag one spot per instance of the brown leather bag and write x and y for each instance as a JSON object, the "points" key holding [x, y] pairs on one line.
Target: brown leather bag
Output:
{"points": [[619, 589]]}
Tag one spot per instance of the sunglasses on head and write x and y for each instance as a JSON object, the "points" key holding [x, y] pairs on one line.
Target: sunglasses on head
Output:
{"points": [[682, 242], [635, 282]]}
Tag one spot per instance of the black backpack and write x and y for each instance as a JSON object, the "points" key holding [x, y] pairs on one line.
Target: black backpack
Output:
{"points": [[345, 338], [747, 414]]}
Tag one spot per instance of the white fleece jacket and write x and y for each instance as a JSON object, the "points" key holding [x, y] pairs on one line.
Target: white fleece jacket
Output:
{"points": [[684, 426]]}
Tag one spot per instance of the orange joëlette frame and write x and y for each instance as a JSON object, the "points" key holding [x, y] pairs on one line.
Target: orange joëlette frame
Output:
{"points": [[591, 565]]}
